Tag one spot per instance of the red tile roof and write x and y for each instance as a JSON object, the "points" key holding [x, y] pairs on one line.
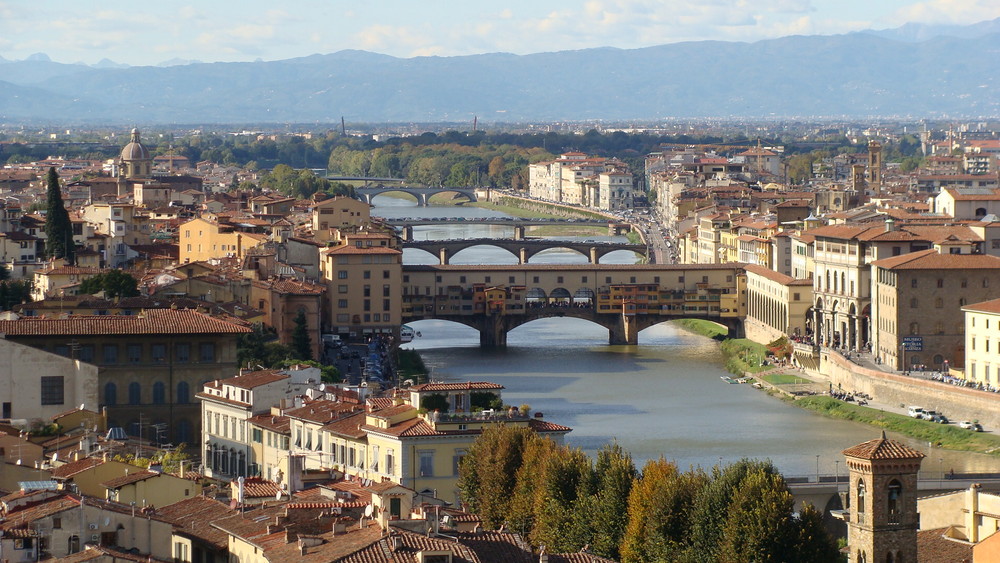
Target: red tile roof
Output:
{"points": [[150, 322], [128, 479], [933, 260], [883, 448], [469, 385]]}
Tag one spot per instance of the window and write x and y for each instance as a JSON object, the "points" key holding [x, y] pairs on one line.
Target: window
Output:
{"points": [[183, 393], [390, 462], [341, 274], [913, 283], [52, 390], [913, 303], [368, 274], [257, 435], [134, 393], [894, 506], [159, 352], [110, 352], [159, 393], [110, 395], [183, 352], [940, 282], [342, 303], [426, 463], [861, 498], [341, 289], [86, 353], [206, 352], [133, 353]]}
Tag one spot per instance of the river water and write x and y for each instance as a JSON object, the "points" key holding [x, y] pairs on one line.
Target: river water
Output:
{"points": [[663, 397]]}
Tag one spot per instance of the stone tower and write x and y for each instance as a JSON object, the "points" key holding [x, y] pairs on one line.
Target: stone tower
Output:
{"points": [[875, 166], [883, 502]]}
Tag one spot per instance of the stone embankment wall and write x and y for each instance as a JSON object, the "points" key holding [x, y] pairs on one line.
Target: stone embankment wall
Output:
{"points": [[957, 403]]}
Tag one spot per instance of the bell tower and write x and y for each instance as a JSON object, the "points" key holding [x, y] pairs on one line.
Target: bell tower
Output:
{"points": [[883, 519], [875, 167]]}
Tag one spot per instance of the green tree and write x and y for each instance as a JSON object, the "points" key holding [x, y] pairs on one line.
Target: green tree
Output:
{"points": [[114, 283], [566, 477], [615, 473], [659, 510], [759, 524], [435, 402], [14, 292], [58, 228], [488, 472], [301, 343], [813, 542]]}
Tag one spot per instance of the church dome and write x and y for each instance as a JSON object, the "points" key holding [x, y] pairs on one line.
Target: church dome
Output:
{"points": [[135, 150]]}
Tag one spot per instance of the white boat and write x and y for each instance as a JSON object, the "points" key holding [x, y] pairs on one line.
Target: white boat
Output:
{"points": [[406, 334]]}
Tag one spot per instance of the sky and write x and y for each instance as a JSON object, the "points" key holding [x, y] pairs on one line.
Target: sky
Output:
{"points": [[88, 31]]}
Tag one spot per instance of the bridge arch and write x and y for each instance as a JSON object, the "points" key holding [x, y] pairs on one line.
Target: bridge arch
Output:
{"points": [[456, 258], [530, 254]]}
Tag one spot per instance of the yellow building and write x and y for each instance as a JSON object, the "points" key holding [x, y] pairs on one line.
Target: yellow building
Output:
{"points": [[149, 488], [202, 239], [982, 343], [777, 305], [363, 277], [338, 213]]}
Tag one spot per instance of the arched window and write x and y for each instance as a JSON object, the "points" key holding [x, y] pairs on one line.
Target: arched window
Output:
{"points": [[73, 545], [890, 557], [182, 432], [980, 212], [914, 328], [861, 498], [962, 302], [134, 393], [938, 303], [862, 557], [110, 394], [183, 393], [843, 281], [895, 502], [938, 359], [828, 281], [159, 393], [939, 327]]}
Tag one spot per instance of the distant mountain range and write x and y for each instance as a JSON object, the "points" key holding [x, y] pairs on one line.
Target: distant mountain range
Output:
{"points": [[914, 70]]}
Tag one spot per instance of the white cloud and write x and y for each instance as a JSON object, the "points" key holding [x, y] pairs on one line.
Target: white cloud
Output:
{"points": [[948, 11]]}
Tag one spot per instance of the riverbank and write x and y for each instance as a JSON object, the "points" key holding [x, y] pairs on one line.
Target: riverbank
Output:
{"points": [[547, 230], [946, 436], [742, 356]]}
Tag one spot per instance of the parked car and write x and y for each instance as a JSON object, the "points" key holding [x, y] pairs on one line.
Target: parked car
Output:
{"points": [[915, 412], [928, 415], [940, 419], [968, 425]]}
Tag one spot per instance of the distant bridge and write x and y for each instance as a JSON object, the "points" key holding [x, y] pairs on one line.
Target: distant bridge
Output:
{"points": [[422, 194], [519, 225], [625, 299], [524, 249]]}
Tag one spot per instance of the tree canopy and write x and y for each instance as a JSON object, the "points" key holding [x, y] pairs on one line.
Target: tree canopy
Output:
{"points": [[114, 283], [58, 227]]}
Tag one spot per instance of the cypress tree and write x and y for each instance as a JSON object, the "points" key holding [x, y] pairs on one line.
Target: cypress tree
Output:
{"points": [[301, 343], [58, 228]]}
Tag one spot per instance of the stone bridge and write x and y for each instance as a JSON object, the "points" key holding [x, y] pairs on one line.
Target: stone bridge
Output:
{"points": [[519, 225], [422, 194], [526, 248], [625, 299]]}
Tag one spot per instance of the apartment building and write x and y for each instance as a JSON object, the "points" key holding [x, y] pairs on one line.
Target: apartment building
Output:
{"points": [[982, 343], [363, 275]]}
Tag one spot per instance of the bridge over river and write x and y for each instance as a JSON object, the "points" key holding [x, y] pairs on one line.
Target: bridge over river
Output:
{"points": [[624, 299], [518, 224], [422, 194], [524, 249]]}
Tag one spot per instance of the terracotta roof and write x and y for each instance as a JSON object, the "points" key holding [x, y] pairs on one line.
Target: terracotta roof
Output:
{"points": [[351, 249], [250, 379], [933, 260], [934, 547], [103, 552], [348, 427], [255, 487], [992, 306], [770, 274], [322, 411], [192, 517], [539, 425], [274, 423], [74, 467], [469, 385], [883, 448], [153, 321], [129, 479]]}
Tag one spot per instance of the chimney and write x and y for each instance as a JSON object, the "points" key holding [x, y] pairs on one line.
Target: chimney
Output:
{"points": [[890, 225], [290, 536]]}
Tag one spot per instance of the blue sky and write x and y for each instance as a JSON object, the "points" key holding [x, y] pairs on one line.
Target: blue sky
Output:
{"points": [[245, 30]]}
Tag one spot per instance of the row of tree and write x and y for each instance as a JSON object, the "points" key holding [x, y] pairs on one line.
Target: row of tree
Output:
{"points": [[558, 497]]}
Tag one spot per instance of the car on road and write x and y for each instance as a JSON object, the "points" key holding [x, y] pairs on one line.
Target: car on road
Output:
{"points": [[915, 412], [939, 418], [969, 425]]}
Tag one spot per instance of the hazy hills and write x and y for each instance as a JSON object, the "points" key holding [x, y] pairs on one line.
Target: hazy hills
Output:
{"points": [[891, 72]]}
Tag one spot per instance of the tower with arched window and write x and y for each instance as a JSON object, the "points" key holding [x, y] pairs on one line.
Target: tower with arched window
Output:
{"points": [[883, 521]]}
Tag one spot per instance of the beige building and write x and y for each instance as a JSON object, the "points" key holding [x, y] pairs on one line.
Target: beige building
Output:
{"points": [[982, 344], [227, 405], [203, 239], [777, 305], [36, 385], [363, 276], [149, 488], [339, 213], [917, 304]]}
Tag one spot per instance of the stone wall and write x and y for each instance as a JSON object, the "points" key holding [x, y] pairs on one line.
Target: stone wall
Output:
{"points": [[957, 403], [760, 332]]}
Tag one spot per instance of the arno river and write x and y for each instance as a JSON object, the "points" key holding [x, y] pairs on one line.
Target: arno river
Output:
{"points": [[661, 397]]}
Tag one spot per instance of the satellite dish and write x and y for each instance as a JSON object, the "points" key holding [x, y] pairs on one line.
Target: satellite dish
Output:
{"points": [[369, 510], [55, 456], [82, 405]]}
